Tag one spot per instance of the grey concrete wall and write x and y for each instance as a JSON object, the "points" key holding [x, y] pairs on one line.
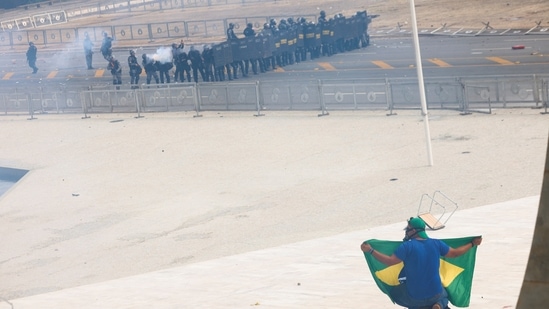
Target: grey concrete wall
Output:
{"points": [[533, 293]]}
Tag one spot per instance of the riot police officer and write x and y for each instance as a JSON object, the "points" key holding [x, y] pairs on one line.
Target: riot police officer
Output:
{"points": [[31, 57], [197, 64], [106, 46], [135, 69], [249, 32], [164, 68], [230, 32], [150, 69], [116, 71], [209, 68], [182, 66]]}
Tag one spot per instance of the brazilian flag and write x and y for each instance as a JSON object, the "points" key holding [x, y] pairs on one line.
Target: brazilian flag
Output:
{"points": [[456, 273]]}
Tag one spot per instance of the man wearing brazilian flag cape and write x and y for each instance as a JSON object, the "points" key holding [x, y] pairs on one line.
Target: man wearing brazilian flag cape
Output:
{"points": [[423, 272]]}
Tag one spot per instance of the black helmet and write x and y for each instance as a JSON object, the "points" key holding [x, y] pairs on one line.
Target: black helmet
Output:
{"points": [[322, 13], [250, 25], [231, 25], [132, 52]]}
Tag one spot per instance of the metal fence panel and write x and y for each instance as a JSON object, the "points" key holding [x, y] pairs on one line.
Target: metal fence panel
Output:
{"points": [[15, 102], [53, 36], [108, 7], [82, 11], [197, 28], [69, 102], [160, 30], [215, 28], [124, 33], [444, 95], [172, 4], [195, 3], [43, 100], [5, 38], [168, 98], [108, 101], [235, 96], [41, 20], [122, 7], [350, 95], [405, 95], [519, 91], [37, 36], [24, 23], [501, 91], [295, 95], [8, 25], [465, 94], [178, 29], [480, 93]]}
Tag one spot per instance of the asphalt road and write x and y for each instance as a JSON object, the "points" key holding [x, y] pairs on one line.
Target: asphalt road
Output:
{"points": [[392, 57]]}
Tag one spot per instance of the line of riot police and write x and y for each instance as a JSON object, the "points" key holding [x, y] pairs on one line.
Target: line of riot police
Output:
{"points": [[275, 45], [288, 42]]}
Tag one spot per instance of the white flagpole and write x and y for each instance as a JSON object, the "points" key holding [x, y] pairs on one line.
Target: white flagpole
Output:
{"points": [[421, 83]]}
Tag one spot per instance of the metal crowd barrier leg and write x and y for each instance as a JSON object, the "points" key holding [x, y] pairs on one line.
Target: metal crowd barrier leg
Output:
{"points": [[31, 107], [390, 105], [258, 98], [322, 103], [197, 100], [137, 105]]}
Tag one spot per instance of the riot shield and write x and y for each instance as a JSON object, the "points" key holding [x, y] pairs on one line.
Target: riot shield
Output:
{"points": [[222, 54], [239, 49]]}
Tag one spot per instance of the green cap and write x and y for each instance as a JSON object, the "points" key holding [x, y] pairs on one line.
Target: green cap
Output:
{"points": [[419, 225]]}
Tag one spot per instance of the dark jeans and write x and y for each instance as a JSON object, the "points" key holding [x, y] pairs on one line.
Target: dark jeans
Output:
{"points": [[32, 65], [89, 56], [400, 295]]}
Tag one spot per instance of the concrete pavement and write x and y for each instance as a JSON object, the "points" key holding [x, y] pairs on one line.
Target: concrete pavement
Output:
{"points": [[326, 272]]}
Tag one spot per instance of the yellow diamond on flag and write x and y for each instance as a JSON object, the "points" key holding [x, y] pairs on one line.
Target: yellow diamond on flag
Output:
{"points": [[389, 275], [448, 272]]}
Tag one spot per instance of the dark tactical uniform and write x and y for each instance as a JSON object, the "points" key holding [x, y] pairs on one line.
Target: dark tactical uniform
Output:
{"points": [[324, 25], [135, 69], [106, 46], [182, 66], [209, 69], [175, 54], [164, 69], [231, 36], [249, 32], [197, 64], [31, 57], [150, 69], [116, 71], [267, 59]]}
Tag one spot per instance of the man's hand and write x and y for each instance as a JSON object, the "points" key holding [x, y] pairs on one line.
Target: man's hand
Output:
{"points": [[365, 247], [477, 241]]}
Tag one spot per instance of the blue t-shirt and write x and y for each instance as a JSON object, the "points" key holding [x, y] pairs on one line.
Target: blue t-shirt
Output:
{"points": [[421, 266]]}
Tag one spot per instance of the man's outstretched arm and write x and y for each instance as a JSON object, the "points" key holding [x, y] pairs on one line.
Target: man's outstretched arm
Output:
{"points": [[455, 252], [383, 258]]}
